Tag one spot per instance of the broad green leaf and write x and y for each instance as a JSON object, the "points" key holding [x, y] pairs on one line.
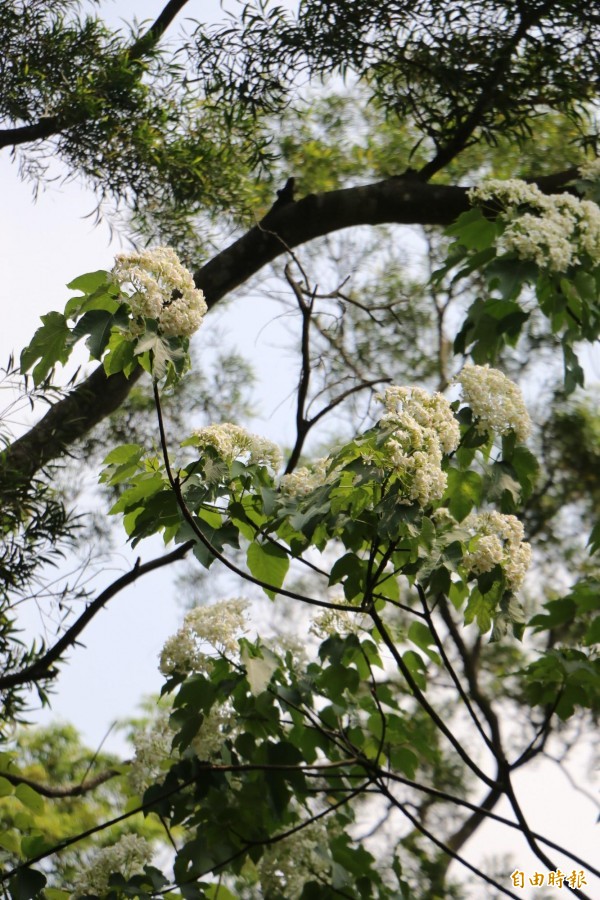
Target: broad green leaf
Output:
{"points": [[574, 374], [473, 230], [464, 491], [6, 788], [219, 892], [89, 282], [11, 841], [50, 344], [592, 635], [97, 323], [33, 844], [420, 635], [56, 894], [163, 353], [29, 798], [526, 468], [269, 563], [123, 453], [121, 356], [26, 884], [594, 539]]}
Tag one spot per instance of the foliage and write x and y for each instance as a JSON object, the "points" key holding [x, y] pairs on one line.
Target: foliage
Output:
{"points": [[399, 556]]}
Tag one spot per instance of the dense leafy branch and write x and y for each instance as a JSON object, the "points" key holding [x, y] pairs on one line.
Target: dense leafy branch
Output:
{"points": [[55, 124]]}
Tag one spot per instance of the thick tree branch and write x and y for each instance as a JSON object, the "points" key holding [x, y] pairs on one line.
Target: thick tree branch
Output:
{"points": [[401, 200], [69, 790]]}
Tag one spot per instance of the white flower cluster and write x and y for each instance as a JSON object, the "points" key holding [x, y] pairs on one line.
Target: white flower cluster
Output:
{"points": [[590, 171], [218, 626], [234, 442], [286, 866], [561, 229], [498, 540], [424, 429], [335, 621], [158, 286], [305, 479], [128, 856], [216, 727], [152, 749], [497, 403]]}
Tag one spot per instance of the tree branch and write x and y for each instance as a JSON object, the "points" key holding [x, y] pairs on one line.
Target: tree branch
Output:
{"points": [[40, 668], [69, 790], [402, 200], [50, 125]]}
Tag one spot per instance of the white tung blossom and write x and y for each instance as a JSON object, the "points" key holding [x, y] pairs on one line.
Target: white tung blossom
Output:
{"points": [[590, 170], [157, 286], [215, 628], [234, 442], [497, 402], [424, 428], [554, 230], [336, 621], [128, 856], [285, 867], [152, 750], [497, 540], [305, 479], [217, 726]]}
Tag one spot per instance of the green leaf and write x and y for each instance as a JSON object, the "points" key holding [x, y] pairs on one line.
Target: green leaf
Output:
{"points": [[349, 569], [26, 884], [269, 563], [464, 491], [574, 374], [123, 453], [592, 635], [594, 539], [11, 841], [97, 323], [420, 635], [219, 892], [121, 356], [164, 354], [89, 282], [50, 344], [56, 894], [473, 230], [526, 468], [29, 798], [6, 788], [33, 844]]}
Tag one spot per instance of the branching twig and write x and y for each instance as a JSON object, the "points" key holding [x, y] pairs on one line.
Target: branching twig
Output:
{"points": [[40, 668]]}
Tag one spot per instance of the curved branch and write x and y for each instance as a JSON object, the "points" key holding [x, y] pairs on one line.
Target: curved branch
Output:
{"points": [[441, 845], [69, 790], [401, 200], [40, 668], [435, 717], [66, 421], [151, 37]]}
